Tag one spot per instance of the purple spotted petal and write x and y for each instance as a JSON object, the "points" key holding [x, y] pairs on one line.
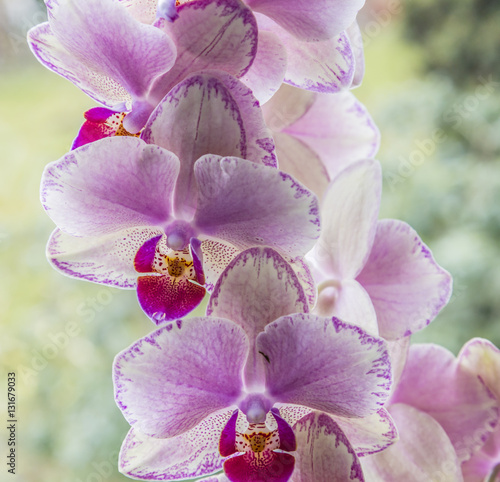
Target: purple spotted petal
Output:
{"points": [[407, 287], [109, 185], [99, 122], [195, 453], [247, 204], [165, 298], [369, 435], [324, 453], [434, 382], [105, 259], [346, 373], [349, 220], [209, 35], [216, 256], [171, 380], [227, 442], [311, 21], [423, 453], [287, 437], [208, 113], [255, 289], [266, 466]]}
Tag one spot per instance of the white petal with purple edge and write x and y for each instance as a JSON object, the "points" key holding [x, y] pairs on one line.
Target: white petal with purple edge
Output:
{"points": [[325, 364], [408, 288], [423, 453], [248, 204], [107, 259], [434, 382], [311, 21], [193, 454], [169, 381], [356, 40], [324, 453], [109, 185], [349, 220]]}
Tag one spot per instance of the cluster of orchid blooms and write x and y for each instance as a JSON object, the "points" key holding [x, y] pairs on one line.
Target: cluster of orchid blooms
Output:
{"points": [[231, 159]]}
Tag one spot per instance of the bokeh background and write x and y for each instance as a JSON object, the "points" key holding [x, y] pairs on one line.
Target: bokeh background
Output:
{"points": [[432, 85]]}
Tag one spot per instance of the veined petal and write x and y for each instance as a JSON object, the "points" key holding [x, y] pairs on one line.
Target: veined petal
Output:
{"points": [[192, 454], [324, 453], [407, 287], [106, 259], [268, 68], [371, 434], [208, 113], [434, 382], [115, 45], [220, 35], [325, 364], [423, 453], [349, 220], [109, 185], [171, 380], [311, 21], [255, 289], [247, 204]]}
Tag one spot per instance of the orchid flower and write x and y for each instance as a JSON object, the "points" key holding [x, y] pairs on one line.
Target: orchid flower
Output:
{"points": [[317, 135], [480, 357], [131, 215], [331, 442], [111, 51], [247, 388], [443, 413], [377, 274]]}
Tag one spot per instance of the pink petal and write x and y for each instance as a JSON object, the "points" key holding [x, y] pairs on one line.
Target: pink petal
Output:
{"points": [[143, 11], [209, 35], [369, 435], [171, 380], [255, 289], [408, 288], [423, 453], [346, 374], [324, 452], [192, 454], [311, 21], [247, 204], [434, 382], [269, 466], [349, 220], [107, 259], [109, 185], [485, 462], [208, 113], [164, 298], [356, 40], [216, 256]]}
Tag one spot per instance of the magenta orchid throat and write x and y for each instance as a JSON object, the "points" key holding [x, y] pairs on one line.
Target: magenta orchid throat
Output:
{"points": [[229, 163]]}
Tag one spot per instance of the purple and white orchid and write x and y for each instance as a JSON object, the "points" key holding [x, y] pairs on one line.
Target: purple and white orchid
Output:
{"points": [[246, 388], [377, 274]]}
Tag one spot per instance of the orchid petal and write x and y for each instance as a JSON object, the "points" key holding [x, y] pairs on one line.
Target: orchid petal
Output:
{"points": [[339, 129], [407, 287], [349, 220], [250, 467], [485, 462], [109, 185], [247, 204], [434, 382], [220, 35], [192, 454], [165, 298], [324, 453], [255, 289], [311, 21], [356, 40], [423, 452], [107, 259], [143, 11], [208, 113], [300, 161], [268, 69], [369, 435], [99, 122], [216, 256], [325, 364], [169, 381]]}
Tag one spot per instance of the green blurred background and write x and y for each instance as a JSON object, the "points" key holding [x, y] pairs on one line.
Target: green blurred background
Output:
{"points": [[431, 86]]}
